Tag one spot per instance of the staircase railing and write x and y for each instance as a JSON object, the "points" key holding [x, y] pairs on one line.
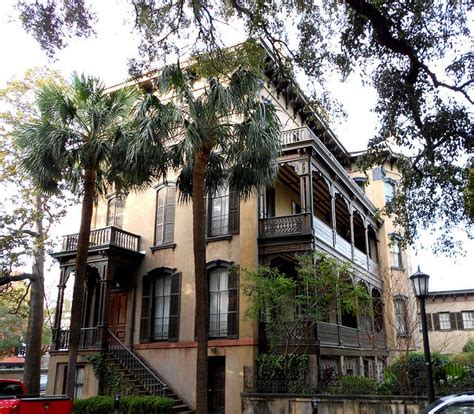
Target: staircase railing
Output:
{"points": [[135, 366]]}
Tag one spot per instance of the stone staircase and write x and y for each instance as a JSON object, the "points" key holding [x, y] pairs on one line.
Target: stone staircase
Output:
{"points": [[143, 379]]}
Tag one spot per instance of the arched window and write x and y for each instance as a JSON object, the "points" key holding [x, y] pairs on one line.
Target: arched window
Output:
{"points": [[164, 216], [400, 315], [160, 305], [115, 207], [223, 300], [389, 188]]}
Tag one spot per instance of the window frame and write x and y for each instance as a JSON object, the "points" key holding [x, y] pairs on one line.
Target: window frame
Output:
{"points": [[401, 315], [391, 185], [148, 305], [111, 217], [396, 251], [232, 314], [466, 321], [441, 322], [232, 213], [168, 216]]}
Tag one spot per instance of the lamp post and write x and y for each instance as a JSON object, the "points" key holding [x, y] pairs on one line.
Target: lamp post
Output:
{"points": [[420, 283]]}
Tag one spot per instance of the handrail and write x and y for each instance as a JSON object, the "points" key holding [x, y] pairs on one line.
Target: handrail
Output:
{"points": [[130, 361]]}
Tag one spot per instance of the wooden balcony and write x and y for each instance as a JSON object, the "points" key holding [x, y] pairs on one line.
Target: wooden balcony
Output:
{"points": [[332, 335], [285, 233]]}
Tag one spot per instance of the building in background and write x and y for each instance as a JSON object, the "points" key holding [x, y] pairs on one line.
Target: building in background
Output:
{"points": [[450, 320]]}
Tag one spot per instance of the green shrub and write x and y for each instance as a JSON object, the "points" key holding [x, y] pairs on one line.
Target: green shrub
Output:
{"points": [[128, 405], [469, 347], [357, 385], [464, 358]]}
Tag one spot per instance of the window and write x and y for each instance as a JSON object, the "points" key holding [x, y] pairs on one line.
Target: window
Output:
{"points": [[223, 302], [160, 305], [223, 213], [389, 187], [468, 319], [115, 208], [463, 407], [400, 315], [79, 385], [361, 182], [164, 217], [444, 321], [395, 252]]}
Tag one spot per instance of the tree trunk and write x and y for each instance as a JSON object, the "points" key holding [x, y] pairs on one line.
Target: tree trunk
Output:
{"points": [[201, 282], [80, 278], [34, 333]]}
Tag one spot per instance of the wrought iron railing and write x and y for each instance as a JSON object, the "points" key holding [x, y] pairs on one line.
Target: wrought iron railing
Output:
{"points": [[107, 236], [90, 339], [147, 378], [285, 225]]}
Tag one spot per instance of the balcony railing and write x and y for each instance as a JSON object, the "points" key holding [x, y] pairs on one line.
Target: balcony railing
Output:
{"points": [[90, 339], [343, 336], [105, 237], [285, 225]]}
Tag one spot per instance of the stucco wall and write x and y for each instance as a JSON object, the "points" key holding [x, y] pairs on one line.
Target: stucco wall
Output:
{"points": [[275, 404]]}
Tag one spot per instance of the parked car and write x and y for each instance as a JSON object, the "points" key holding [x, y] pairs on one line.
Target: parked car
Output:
{"points": [[462, 403], [15, 400]]}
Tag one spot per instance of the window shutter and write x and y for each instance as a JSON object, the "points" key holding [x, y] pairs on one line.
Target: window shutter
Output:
{"points": [[430, 322], [436, 321], [233, 309], [159, 217], [173, 332], [146, 309], [234, 202], [169, 213], [452, 320], [459, 322]]}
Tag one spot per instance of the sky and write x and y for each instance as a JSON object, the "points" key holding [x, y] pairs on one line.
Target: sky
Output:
{"points": [[106, 56]]}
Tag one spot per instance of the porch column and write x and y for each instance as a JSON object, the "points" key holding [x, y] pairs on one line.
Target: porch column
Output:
{"points": [[366, 234], [64, 274], [333, 212], [104, 292], [351, 221]]}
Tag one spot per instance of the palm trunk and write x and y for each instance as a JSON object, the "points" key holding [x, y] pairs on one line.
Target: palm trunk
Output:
{"points": [[34, 331], [80, 277], [201, 282]]}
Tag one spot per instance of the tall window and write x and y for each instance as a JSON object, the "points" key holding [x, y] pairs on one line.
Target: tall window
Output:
{"points": [[160, 306], [389, 187], [396, 253], [115, 208], [164, 218], [223, 212], [223, 303], [400, 315], [468, 320], [444, 321]]}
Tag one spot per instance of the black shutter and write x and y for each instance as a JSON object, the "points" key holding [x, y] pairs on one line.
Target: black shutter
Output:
{"points": [[234, 202], [173, 332], [459, 322], [430, 322], [146, 309], [233, 309], [436, 321], [169, 212], [452, 321]]}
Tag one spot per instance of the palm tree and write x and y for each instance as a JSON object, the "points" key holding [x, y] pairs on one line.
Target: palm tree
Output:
{"points": [[219, 134], [77, 141]]}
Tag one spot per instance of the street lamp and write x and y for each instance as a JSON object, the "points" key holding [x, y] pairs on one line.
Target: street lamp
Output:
{"points": [[420, 283]]}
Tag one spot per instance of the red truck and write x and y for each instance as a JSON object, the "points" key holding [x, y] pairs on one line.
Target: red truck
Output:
{"points": [[15, 400]]}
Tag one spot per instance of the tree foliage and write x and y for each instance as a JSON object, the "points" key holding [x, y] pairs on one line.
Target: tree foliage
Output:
{"points": [[415, 54], [290, 305]]}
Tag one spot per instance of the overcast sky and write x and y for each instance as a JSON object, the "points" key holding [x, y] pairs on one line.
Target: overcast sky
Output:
{"points": [[106, 57]]}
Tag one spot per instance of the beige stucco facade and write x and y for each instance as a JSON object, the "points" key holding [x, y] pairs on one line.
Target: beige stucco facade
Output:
{"points": [[449, 320]]}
